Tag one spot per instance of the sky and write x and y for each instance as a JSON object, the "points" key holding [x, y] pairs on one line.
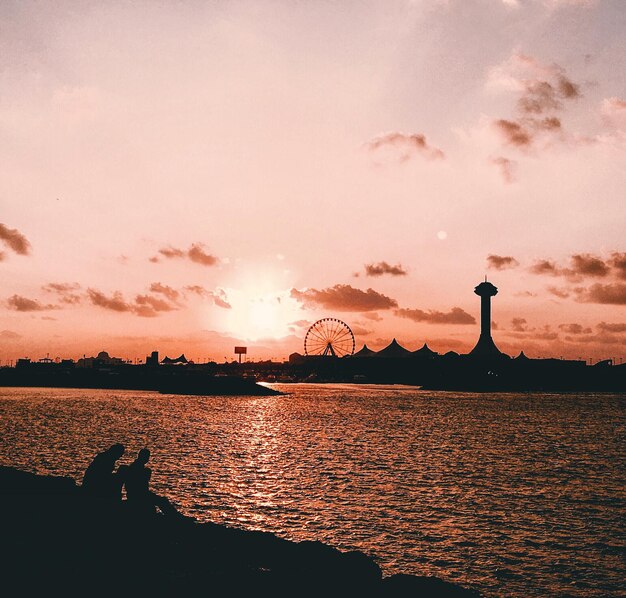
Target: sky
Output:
{"points": [[191, 176]]}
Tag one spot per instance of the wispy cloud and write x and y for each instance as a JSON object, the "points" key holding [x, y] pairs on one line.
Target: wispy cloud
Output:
{"points": [[381, 268], [401, 147], [343, 297], [455, 316], [196, 253]]}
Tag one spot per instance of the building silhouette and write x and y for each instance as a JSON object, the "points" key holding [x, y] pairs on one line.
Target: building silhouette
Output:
{"points": [[485, 347]]}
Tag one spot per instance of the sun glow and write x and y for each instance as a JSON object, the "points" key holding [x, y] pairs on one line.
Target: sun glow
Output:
{"points": [[261, 307]]}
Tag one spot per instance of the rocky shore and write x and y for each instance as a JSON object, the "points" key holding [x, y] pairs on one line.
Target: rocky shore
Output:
{"points": [[56, 541]]}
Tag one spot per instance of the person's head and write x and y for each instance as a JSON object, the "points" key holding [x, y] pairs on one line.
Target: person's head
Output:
{"points": [[143, 456], [117, 450]]}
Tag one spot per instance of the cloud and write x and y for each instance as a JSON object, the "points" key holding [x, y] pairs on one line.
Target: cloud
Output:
{"points": [[574, 329], [588, 265], [506, 168], [582, 265], [301, 324], [455, 316], [148, 306], [372, 315], [343, 297], [606, 294], [19, 303], [197, 253], [618, 262], [545, 267], [66, 291], [615, 328], [501, 262], [513, 132], [218, 296], [163, 289], [9, 335], [559, 292], [14, 240], [115, 302], [171, 252], [402, 147], [360, 331], [384, 268], [519, 325], [542, 91]]}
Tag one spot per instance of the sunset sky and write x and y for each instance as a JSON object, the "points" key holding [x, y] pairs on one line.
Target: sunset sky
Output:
{"points": [[187, 176]]}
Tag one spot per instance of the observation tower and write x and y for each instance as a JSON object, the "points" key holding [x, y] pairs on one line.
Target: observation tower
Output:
{"points": [[485, 347]]}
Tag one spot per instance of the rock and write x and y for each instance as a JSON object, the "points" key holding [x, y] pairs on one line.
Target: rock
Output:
{"points": [[56, 540]]}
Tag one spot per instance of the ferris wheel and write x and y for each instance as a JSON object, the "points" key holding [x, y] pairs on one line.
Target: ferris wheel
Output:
{"points": [[329, 337]]}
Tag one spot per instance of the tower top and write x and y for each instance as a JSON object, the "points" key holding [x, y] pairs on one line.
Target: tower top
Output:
{"points": [[486, 289]]}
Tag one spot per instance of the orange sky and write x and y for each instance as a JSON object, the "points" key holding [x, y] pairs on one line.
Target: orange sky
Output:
{"points": [[190, 176]]}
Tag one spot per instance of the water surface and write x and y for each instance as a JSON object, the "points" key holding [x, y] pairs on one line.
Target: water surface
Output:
{"points": [[512, 494]]}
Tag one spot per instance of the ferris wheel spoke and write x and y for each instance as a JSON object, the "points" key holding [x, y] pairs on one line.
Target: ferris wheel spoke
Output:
{"points": [[342, 334], [317, 335]]}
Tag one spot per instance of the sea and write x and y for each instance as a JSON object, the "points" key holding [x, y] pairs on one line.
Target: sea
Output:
{"points": [[512, 494]]}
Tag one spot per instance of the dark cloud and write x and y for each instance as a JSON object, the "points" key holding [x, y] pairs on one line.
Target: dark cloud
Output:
{"points": [[545, 267], [618, 263], [574, 328], [343, 297], [581, 265], [172, 252], [587, 265], [513, 133], [384, 268], [607, 294], [218, 296], [148, 306], [506, 167], [66, 291], [14, 239], [360, 331], [163, 289], [197, 253], [501, 262], [115, 302], [615, 328], [543, 91], [455, 316], [405, 146], [145, 306], [519, 325], [19, 303]]}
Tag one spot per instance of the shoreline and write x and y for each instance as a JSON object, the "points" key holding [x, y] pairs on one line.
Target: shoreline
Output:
{"points": [[57, 538]]}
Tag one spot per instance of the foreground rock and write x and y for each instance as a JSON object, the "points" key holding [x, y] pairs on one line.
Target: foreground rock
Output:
{"points": [[55, 541]]}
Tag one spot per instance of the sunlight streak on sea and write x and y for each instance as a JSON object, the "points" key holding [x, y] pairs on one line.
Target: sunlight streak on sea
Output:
{"points": [[511, 494]]}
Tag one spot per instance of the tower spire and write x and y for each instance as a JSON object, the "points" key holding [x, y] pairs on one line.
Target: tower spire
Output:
{"points": [[485, 347]]}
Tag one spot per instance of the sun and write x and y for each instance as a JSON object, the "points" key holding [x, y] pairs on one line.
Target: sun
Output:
{"points": [[261, 306]]}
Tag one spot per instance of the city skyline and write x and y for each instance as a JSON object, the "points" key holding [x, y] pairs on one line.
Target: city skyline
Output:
{"points": [[193, 178]]}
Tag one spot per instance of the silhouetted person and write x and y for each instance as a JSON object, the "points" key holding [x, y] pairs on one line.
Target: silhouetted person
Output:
{"points": [[138, 494], [100, 480]]}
